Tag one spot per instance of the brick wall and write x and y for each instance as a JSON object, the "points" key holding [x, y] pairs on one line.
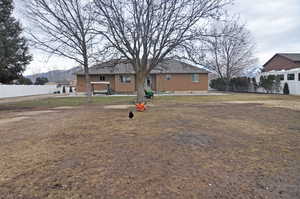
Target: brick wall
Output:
{"points": [[279, 63], [80, 83], [80, 87], [124, 87], [178, 82], [181, 82]]}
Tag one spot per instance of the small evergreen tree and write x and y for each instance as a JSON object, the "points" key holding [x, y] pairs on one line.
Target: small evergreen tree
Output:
{"points": [[267, 82], [14, 55], [286, 89], [24, 81], [41, 81]]}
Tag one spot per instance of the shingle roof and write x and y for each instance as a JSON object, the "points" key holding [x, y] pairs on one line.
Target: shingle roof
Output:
{"points": [[124, 67], [292, 56]]}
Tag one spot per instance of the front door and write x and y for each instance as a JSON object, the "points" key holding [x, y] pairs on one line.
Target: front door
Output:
{"points": [[148, 82]]}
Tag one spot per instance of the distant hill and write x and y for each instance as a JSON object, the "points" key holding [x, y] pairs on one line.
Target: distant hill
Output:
{"points": [[58, 76]]}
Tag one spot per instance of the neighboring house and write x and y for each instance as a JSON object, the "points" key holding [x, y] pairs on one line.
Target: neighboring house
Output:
{"points": [[287, 66], [171, 75], [282, 61]]}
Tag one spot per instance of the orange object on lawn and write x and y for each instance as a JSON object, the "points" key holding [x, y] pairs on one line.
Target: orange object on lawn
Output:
{"points": [[140, 107]]}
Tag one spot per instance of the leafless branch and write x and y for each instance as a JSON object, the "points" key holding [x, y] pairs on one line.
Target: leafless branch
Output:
{"points": [[228, 51], [64, 28], [148, 31]]}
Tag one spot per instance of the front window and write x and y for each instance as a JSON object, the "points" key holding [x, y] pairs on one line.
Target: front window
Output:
{"points": [[291, 77], [195, 77], [125, 78], [102, 78]]}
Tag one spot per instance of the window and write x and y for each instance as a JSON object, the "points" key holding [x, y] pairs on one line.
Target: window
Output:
{"points": [[281, 77], [102, 78], [298, 76], [291, 76], [195, 77], [168, 77], [125, 78]]}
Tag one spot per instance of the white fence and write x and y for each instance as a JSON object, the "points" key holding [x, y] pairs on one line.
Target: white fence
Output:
{"points": [[26, 90]]}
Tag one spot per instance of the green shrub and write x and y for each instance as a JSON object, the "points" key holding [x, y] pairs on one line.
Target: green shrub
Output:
{"points": [[235, 84], [267, 82], [240, 83], [270, 83], [218, 84]]}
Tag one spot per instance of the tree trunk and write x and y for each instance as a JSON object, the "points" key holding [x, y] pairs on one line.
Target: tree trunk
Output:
{"points": [[87, 83], [139, 84]]}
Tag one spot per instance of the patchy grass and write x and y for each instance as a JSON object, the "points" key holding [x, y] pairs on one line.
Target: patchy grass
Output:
{"points": [[225, 98], [183, 147], [64, 101], [78, 101]]}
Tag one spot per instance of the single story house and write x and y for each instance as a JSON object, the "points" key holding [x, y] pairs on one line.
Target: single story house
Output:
{"points": [[170, 75], [287, 67]]}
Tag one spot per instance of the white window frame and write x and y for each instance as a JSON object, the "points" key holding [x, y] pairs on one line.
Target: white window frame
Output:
{"points": [[195, 78], [291, 79], [125, 78]]}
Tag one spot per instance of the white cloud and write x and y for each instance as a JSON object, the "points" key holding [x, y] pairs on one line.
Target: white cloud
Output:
{"points": [[274, 24]]}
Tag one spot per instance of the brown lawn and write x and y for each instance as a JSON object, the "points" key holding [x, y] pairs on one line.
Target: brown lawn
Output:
{"points": [[237, 146]]}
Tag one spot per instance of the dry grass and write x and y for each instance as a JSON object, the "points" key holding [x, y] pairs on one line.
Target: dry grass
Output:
{"points": [[197, 148]]}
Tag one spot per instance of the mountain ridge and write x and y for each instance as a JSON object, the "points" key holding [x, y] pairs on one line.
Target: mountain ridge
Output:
{"points": [[59, 76]]}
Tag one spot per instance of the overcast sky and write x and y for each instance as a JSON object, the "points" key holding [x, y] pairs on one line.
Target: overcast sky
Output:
{"points": [[274, 24]]}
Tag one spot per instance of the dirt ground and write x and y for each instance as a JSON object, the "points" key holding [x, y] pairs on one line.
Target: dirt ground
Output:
{"points": [[173, 150]]}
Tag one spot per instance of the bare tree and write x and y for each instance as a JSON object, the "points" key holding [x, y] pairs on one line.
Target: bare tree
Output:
{"points": [[146, 32], [64, 28], [228, 51]]}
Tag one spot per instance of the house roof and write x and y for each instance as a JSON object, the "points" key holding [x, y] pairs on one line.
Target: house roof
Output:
{"points": [[295, 57], [124, 67]]}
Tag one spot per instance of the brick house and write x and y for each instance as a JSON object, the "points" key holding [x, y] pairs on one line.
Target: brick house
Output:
{"points": [[282, 61], [287, 67], [171, 75]]}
